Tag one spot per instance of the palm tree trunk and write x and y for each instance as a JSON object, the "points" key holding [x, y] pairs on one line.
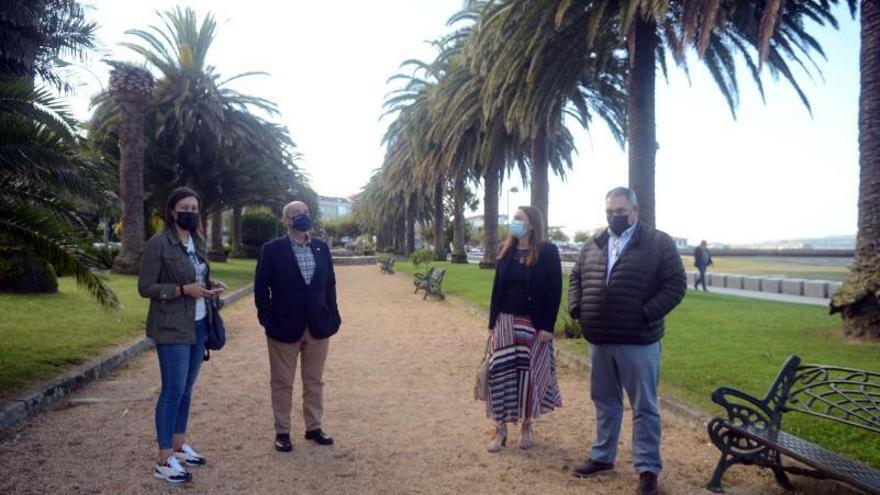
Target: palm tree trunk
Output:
{"points": [[400, 235], [132, 108], [491, 180], [858, 298], [540, 183], [411, 224], [439, 220], [458, 253], [216, 253], [236, 232], [641, 125]]}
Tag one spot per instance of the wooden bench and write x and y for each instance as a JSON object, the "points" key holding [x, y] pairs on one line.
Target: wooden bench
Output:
{"points": [[752, 431], [431, 282], [387, 265]]}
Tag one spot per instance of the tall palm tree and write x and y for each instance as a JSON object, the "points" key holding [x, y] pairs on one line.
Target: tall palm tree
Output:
{"points": [[770, 33], [196, 109], [859, 299], [201, 132], [412, 104], [131, 88], [533, 82]]}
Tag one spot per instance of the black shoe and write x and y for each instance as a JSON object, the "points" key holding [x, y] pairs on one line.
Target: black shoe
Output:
{"points": [[592, 468], [282, 442], [318, 436], [648, 484]]}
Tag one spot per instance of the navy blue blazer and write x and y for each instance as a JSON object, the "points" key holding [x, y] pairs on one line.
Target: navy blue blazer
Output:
{"points": [[286, 306], [544, 289]]}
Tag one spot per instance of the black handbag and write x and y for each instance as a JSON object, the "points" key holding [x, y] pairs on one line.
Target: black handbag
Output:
{"points": [[216, 329]]}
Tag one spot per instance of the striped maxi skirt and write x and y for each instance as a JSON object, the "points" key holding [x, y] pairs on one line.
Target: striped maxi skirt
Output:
{"points": [[522, 372]]}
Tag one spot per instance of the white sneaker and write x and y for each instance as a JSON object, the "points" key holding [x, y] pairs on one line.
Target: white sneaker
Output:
{"points": [[190, 456], [171, 471]]}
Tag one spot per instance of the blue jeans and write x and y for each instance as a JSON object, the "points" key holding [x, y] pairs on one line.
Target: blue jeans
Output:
{"points": [[636, 369], [702, 278], [179, 365]]}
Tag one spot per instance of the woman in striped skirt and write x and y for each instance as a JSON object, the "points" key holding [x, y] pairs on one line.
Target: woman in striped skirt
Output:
{"points": [[525, 301]]}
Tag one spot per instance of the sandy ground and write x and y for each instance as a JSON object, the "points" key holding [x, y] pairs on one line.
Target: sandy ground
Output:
{"points": [[398, 400]]}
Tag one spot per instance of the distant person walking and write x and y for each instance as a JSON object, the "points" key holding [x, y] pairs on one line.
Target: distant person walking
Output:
{"points": [[625, 281], [175, 276], [295, 294], [702, 260], [526, 292]]}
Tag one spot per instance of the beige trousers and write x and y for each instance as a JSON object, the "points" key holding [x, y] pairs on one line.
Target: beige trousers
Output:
{"points": [[282, 370]]}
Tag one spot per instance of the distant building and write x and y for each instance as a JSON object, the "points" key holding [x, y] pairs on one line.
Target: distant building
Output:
{"points": [[334, 207], [479, 221], [680, 242]]}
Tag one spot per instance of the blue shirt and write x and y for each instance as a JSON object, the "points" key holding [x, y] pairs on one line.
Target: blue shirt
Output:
{"points": [[616, 246]]}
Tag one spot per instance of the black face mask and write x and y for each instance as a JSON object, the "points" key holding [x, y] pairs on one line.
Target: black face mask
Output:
{"points": [[188, 220], [618, 223]]}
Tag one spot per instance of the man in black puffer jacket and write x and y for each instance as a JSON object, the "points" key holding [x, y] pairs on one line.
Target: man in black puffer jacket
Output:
{"points": [[626, 280]]}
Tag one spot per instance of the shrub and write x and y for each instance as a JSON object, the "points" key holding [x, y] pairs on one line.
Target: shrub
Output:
{"points": [[105, 255], [571, 328], [257, 228], [422, 256], [25, 273]]}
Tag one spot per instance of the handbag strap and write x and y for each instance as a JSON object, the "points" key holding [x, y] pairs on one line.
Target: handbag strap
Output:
{"points": [[488, 351]]}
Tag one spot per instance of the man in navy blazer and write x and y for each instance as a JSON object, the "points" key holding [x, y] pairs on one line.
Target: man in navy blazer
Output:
{"points": [[295, 294]]}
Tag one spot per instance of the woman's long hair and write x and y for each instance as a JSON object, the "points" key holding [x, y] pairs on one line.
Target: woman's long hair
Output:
{"points": [[175, 197], [536, 236]]}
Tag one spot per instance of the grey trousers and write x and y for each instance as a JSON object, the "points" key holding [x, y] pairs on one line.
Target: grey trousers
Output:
{"points": [[636, 369]]}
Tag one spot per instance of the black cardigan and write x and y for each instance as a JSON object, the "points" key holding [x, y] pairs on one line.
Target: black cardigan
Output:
{"points": [[545, 287]]}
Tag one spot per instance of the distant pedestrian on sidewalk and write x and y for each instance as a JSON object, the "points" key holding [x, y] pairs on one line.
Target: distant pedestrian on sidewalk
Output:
{"points": [[295, 294], [702, 260], [526, 292], [625, 281], [175, 276]]}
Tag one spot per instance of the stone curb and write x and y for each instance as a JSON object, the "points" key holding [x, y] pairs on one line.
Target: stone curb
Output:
{"points": [[44, 394]]}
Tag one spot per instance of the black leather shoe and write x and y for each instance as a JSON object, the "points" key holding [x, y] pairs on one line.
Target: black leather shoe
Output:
{"points": [[592, 468], [648, 484], [318, 436], [282, 442]]}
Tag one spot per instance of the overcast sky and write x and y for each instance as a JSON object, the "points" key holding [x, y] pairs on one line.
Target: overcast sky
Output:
{"points": [[774, 173]]}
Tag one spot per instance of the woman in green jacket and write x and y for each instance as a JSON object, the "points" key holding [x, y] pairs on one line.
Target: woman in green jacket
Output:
{"points": [[175, 276]]}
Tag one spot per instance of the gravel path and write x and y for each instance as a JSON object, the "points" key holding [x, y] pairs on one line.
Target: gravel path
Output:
{"points": [[398, 400]]}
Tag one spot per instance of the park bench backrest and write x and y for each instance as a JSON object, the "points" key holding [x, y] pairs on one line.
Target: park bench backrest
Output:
{"points": [[437, 275], [845, 395]]}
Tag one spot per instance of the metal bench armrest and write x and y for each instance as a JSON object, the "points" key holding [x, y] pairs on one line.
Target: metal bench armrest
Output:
{"points": [[744, 409]]}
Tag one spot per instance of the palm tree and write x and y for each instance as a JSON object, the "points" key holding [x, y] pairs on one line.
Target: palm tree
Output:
{"points": [[202, 133], [131, 88], [412, 103], [859, 299], [196, 110], [650, 28], [47, 188], [39, 38]]}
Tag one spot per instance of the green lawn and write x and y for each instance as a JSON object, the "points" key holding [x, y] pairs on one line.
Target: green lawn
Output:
{"points": [[45, 335], [715, 340], [789, 267]]}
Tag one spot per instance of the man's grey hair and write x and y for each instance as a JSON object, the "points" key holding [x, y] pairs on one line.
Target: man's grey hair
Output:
{"points": [[626, 192]]}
